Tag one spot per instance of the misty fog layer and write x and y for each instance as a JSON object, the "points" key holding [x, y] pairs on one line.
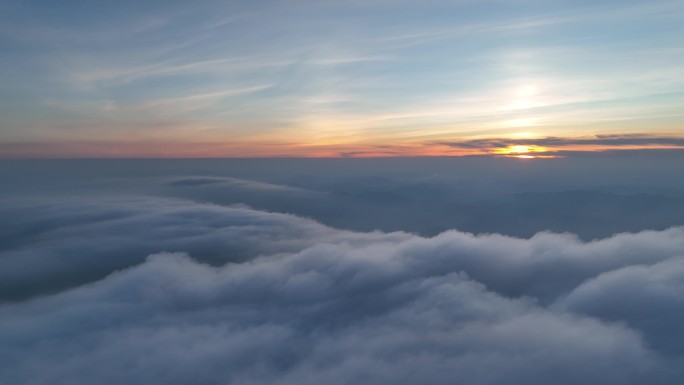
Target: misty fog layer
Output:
{"points": [[593, 196]]}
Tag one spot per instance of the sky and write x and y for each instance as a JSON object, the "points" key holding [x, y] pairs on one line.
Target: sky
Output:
{"points": [[301, 78]]}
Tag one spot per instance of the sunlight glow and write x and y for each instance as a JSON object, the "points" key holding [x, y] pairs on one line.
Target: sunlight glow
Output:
{"points": [[520, 122], [527, 91], [523, 152], [524, 134]]}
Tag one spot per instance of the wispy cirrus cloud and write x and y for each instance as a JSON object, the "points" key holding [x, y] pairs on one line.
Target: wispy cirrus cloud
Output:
{"points": [[342, 74]]}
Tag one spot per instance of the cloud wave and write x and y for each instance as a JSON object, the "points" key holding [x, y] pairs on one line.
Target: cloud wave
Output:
{"points": [[239, 296]]}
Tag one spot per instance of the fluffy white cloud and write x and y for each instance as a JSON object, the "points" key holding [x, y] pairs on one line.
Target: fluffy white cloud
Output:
{"points": [[649, 298], [256, 298], [313, 317], [52, 246]]}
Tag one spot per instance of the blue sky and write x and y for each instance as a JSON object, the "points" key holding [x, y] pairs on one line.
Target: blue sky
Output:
{"points": [[326, 78]]}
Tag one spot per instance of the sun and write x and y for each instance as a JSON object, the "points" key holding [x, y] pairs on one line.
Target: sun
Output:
{"points": [[519, 149], [522, 151]]}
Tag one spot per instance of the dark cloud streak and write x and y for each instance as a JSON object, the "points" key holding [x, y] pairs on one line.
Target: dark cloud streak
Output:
{"points": [[558, 143]]}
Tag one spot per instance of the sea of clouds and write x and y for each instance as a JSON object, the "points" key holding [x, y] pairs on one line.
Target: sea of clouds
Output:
{"points": [[170, 291]]}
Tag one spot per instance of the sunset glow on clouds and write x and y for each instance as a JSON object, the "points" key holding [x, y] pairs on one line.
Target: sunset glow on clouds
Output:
{"points": [[316, 79]]}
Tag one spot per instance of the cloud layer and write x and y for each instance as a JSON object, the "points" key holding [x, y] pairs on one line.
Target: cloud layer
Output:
{"points": [[151, 290]]}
